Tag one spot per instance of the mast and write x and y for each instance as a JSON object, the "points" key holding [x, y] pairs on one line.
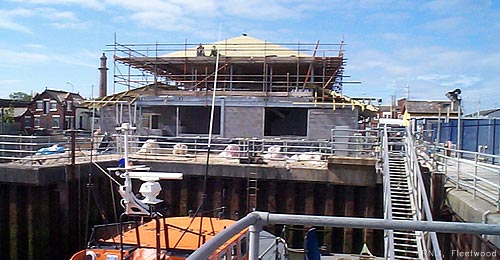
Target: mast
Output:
{"points": [[210, 129]]}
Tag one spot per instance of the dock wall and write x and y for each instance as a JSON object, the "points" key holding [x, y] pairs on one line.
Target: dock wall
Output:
{"points": [[44, 209]]}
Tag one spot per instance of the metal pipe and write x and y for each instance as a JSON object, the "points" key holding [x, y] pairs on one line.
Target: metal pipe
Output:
{"points": [[485, 219], [459, 127], [475, 177], [266, 218], [374, 223], [255, 229], [209, 247], [422, 194]]}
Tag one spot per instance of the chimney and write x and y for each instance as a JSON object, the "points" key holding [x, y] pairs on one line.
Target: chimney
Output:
{"points": [[103, 77]]}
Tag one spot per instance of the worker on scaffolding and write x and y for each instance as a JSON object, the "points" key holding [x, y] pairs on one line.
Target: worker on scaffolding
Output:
{"points": [[200, 51], [213, 52]]}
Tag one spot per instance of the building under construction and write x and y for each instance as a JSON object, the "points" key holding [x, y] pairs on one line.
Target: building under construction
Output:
{"points": [[263, 89]]}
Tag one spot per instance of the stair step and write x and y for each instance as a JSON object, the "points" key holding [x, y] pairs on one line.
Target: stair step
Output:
{"points": [[406, 245], [400, 201], [400, 205], [404, 234], [402, 215], [401, 194], [406, 251], [405, 239], [405, 257]]}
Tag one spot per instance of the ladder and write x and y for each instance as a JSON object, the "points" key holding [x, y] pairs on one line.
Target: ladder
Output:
{"points": [[252, 192], [406, 243]]}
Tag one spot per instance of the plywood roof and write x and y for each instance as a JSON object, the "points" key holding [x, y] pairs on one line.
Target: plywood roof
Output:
{"points": [[242, 46]]}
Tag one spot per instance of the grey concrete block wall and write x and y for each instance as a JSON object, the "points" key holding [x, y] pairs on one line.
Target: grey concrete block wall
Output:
{"points": [[244, 122], [321, 121], [107, 120], [166, 122]]}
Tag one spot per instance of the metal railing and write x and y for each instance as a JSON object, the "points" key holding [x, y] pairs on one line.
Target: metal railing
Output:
{"points": [[388, 233], [277, 149], [242, 147], [352, 143], [255, 221], [470, 171], [429, 240], [33, 150]]}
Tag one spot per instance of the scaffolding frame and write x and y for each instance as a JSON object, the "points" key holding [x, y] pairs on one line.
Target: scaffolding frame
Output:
{"points": [[257, 66]]}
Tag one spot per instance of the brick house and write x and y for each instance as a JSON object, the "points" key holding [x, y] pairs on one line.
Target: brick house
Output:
{"points": [[55, 110]]}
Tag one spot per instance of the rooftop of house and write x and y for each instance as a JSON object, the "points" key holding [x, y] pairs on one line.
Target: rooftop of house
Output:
{"points": [[495, 112], [61, 96], [13, 102], [426, 107]]}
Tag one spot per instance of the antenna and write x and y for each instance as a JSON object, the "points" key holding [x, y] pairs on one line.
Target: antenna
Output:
{"points": [[149, 189]]}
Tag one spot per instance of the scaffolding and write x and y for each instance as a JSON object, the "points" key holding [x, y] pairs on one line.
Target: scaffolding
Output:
{"points": [[246, 64]]}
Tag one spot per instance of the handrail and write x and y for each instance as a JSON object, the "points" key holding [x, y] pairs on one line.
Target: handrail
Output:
{"points": [[23, 148], [461, 170], [422, 202], [389, 234], [256, 220]]}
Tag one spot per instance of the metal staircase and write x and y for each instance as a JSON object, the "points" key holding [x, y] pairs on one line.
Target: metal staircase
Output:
{"points": [[405, 199], [406, 245]]}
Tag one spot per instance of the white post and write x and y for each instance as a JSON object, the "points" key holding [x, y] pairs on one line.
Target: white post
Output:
{"points": [[254, 241], [459, 133], [459, 130]]}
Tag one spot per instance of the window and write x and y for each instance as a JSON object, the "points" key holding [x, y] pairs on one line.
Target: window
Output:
{"points": [[27, 121], [285, 121], [39, 105], [234, 252], [69, 122], [243, 246], [154, 122], [69, 104], [223, 255], [55, 121], [151, 121], [37, 122], [53, 105], [47, 107]]}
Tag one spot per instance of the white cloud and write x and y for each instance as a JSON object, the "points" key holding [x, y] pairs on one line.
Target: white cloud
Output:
{"points": [[93, 4], [34, 46], [55, 15], [8, 82], [70, 25], [261, 9], [448, 24], [456, 6], [7, 19], [12, 59], [446, 80], [60, 19], [429, 71]]}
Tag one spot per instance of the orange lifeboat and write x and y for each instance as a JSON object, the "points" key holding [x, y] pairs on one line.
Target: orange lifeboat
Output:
{"points": [[166, 238]]}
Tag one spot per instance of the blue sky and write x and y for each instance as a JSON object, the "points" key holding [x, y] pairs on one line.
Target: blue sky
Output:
{"points": [[428, 47]]}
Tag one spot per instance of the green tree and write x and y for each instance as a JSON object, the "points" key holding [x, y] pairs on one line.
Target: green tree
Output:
{"points": [[18, 95], [8, 114]]}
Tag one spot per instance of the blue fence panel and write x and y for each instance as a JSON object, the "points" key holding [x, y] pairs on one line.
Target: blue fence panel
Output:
{"points": [[475, 132], [469, 135]]}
